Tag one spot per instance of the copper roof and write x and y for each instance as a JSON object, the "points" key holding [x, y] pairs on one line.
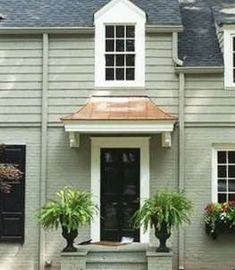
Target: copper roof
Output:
{"points": [[119, 108]]}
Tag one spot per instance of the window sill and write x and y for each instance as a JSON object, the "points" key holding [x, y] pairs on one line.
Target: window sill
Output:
{"points": [[123, 84]]}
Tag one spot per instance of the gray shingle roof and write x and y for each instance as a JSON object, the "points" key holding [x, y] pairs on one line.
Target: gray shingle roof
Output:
{"points": [[198, 44], [72, 13]]}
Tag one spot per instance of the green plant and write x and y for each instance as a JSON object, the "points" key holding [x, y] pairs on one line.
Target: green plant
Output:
{"points": [[71, 210], [163, 211], [165, 207], [219, 217]]}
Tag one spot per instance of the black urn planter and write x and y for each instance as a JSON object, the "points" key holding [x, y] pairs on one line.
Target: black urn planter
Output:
{"points": [[162, 236], [70, 237]]}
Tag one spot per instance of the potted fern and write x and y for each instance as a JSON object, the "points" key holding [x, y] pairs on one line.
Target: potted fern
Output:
{"points": [[164, 211], [71, 210]]}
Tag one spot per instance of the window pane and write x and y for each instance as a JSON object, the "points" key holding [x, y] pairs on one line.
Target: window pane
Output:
{"points": [[109, 60], [130, 60], [234, 60], [231, 171], [231, 185], [222, 185], [109, 74], [109, 31], [130, 45], [109, 45], [222, 198], [120, 31], [130, 31], [120, 74], [231, 197], [120, 45], [120, 60], [231, 157], [222, 171], [221, 157], [233, 44], [130, 74]]}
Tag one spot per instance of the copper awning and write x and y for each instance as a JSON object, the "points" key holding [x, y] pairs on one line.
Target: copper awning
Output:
{"points": [[119, 115], [119, 108]]}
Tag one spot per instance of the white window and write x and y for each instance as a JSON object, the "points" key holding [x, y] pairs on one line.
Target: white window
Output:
{"points": [[120, 45], [224, 173], [229, 58], [120, 53]]}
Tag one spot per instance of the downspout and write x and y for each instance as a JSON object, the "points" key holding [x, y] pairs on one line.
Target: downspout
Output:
{"points": [[181, 185], [43, 172]]}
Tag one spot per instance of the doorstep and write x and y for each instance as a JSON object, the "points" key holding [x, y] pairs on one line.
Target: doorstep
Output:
{"points": [[134, 256]]}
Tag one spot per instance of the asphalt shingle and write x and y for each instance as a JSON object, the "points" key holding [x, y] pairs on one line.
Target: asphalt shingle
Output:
{"points": [[72, 13], [198, 44]]}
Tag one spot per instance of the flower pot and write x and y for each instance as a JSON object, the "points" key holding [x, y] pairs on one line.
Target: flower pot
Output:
{"points": [[70, 237], [162, 236]]}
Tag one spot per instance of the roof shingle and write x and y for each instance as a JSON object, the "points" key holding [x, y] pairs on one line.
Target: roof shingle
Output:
{"points": [[72, 13]]}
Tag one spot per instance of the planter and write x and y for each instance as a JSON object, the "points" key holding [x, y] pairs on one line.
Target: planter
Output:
{"points": [[162, 236], [70, 237], [219, 228]]}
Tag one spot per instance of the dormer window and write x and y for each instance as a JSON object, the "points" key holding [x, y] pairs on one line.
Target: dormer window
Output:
{"points": [[120, 45], [119, 52]]}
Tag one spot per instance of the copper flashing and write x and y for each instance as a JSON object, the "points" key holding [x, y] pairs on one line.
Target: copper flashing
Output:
{"points": [[119, 108]]}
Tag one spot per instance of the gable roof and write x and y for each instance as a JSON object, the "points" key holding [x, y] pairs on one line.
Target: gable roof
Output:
{"points": [[78, 13]]}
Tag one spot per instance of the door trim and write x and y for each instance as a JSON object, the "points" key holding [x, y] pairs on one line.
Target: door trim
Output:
{"points": [[97, 143]]}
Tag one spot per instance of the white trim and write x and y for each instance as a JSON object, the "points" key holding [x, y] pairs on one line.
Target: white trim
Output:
{"points": [[214, 184], [228, 58], [120, 12], [119, 142], [110, 127], [214, 174]]}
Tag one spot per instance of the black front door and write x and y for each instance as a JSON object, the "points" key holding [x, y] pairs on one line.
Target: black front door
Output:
{"points": [[120, 193]]}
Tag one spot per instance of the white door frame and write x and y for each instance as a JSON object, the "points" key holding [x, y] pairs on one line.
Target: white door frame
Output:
{"points": [[97, 143]]}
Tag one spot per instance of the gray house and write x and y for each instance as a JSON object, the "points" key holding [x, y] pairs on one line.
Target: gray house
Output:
{"points": [[147, 85]]}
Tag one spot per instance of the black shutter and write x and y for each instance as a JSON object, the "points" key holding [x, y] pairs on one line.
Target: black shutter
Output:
{"points": [[12, 205]]}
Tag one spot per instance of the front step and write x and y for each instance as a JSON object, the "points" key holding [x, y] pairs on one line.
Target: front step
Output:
{"points": [[133, 256]]}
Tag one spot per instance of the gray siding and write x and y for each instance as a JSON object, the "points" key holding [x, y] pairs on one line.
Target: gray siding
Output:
{"points": [[161, 80], [207, 100], [71, 73], [203, 253], [20, 78]]}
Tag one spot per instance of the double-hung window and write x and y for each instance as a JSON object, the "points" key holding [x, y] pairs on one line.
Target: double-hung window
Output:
{"points": [[225, 175], [120, 52], [120, 46]]}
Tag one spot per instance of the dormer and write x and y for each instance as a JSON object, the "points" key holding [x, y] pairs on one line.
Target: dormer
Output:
{"points": [[120, 45]]}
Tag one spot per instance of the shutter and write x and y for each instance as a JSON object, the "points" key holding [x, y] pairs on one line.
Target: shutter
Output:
{"points": [[12, 205]]}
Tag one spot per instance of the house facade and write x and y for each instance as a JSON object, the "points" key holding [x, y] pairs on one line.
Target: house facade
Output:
{"points": [[123, 99]]}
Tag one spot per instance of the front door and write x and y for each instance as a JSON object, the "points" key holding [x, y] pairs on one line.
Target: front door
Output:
{"points": [[120, 192]]}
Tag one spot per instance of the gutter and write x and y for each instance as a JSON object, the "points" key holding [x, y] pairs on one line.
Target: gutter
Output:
{"points": [[47, 30], [200, 70], [82, 30], [44, 135], [164, 28]]}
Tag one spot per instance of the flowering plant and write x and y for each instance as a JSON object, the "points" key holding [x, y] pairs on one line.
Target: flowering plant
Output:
{"points": [[219, 217]]}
